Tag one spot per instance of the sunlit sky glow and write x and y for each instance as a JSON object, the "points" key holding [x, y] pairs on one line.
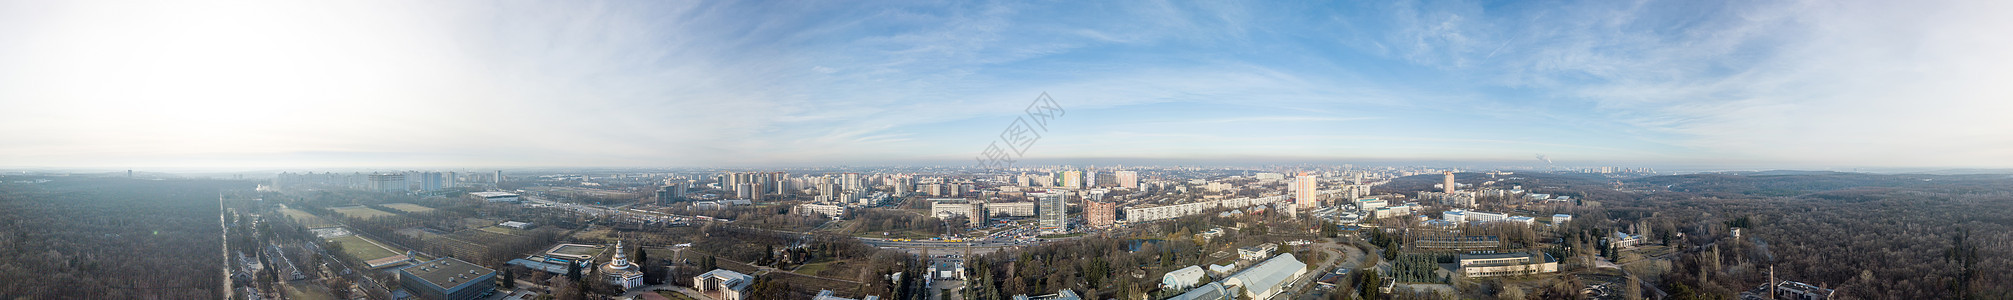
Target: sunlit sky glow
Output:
{"points": [[272, 84]]}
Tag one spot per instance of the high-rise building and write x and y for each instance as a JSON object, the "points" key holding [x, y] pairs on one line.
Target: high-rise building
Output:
{"points": [[1054, 213], [1072, 179], [1089, 179], [851, 181], [1099, 214], [389, 183], [1305, 190], [1127, 179], [1449, 185], [499, 177], [432, 181], [671, 193]]}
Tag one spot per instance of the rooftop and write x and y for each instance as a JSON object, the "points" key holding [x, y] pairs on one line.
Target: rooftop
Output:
{"points": [[447, 273], [1269, 274]]}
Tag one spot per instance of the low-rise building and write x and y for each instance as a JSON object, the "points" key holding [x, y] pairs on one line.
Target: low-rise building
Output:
{"points": [[1256, 252], [1624, 240], [1788, 290], [1371, 204], [829, 295], [1010, 209], [1209, 291], [517, 225], [1506, 264], [834, 211], [1211, 234], [1183, 278], [1223, 269], [951, 207], [448, 278], [723, 284], [1269, 278], [948, 270], [496, 196]]}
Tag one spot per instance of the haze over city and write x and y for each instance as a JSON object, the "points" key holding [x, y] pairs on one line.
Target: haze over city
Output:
{"points": [[1006, 150], [358, 84]]}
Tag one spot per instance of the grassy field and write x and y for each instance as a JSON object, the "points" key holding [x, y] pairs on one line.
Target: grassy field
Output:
{"points": [[409, 207], [813, 269], [361, 249], [674, 295], [597, 234], [578, 250], [360, 212], [308, 291], [501, 230], [307, 219]]}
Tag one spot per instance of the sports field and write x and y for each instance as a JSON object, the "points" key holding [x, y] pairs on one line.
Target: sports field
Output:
{"points": [[306, 219], [501, 230], [360, 212], [362, 249], [409, 207]]}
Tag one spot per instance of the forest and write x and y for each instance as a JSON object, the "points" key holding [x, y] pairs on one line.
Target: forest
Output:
{"points": [[1869, 236], [75, 237]]}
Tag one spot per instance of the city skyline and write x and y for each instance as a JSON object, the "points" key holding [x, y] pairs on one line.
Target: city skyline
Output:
{"points": [[268, 85]]}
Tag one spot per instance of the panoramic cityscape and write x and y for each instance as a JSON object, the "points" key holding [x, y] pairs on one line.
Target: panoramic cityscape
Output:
{"points": [[1015, 150]]}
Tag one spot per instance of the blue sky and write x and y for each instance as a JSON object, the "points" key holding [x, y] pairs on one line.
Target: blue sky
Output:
{"points": [[268, 84]]}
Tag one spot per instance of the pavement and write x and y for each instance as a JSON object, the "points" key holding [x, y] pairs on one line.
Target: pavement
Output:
{"points": [[632, 293]]}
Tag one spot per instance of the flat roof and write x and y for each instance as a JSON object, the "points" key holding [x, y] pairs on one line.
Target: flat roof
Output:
{"points": [[1495, 256], [492, 194], [447, 272]]}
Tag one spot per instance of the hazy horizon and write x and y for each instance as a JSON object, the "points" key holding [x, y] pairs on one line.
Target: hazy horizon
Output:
{"points": [[268, 85]]}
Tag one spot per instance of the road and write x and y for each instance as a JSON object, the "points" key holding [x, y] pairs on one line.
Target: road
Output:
{"points": [[1337, 254], [225, 246]]}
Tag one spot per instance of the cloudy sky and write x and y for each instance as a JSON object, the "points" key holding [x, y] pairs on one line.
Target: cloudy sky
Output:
{"points": [[271, 84]]}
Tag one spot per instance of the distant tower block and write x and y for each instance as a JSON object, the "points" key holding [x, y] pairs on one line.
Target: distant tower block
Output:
{"points": [[1448, 187], [1305, 190]]}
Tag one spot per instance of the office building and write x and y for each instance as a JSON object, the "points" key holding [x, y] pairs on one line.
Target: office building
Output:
{"points": [[1011, 209], [1054, 213], [946, 208], [448, 279]]}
